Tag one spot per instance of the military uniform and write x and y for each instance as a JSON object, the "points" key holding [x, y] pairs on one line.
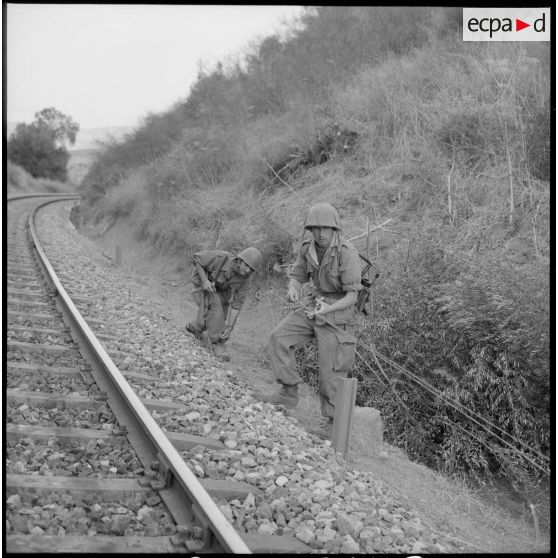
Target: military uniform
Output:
{"points": [[337, 273], [231, 290]]}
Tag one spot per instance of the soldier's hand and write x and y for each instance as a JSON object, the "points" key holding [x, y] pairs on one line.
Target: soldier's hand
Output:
{"points": [[226, 333], [320, 309], [209, 286], [292, 294]]}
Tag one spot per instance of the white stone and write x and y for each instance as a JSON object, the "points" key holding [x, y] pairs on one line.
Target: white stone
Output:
{"points": [[250, 500], [14, 500], [267, 528], [143, 511], [227, 512], [304, 534], [350, 546]]}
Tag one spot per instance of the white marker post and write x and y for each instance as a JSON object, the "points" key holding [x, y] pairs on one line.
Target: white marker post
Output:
{"points": [[118, 256]]}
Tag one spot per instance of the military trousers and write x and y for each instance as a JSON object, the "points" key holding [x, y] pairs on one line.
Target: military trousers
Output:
{"points": [[336, 353], [212, 312]]}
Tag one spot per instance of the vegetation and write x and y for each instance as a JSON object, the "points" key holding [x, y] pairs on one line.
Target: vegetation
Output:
{"points": [[40, 147], [21, 182], [387, 114]]}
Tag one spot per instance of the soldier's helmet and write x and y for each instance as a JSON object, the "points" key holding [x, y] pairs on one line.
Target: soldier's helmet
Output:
{"points": [[252, 257], [322, 215]]}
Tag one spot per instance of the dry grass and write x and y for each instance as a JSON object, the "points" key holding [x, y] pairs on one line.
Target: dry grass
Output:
{"points": [[449, 506], [21, 181]]}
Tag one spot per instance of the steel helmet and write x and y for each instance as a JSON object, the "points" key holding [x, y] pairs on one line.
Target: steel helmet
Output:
{"points": [[322, 215], [252, 257]]}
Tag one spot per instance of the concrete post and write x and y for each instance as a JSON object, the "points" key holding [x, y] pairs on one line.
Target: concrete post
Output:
{"points": [[343, 419], [118, 256]]}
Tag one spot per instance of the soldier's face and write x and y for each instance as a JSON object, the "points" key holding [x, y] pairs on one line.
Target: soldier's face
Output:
{"points": [[322, 236], [244, 269]]}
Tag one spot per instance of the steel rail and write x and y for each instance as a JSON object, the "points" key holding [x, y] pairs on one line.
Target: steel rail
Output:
{"points": [[193, 497], [14, 197]]}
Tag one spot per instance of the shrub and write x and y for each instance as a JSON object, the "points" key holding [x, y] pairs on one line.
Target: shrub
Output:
{"points": [[475, 330], [469, 139], [538, 143], [40, 148]]}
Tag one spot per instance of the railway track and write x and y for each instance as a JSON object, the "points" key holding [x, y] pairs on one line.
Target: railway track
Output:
{"points": [[88, 469]]}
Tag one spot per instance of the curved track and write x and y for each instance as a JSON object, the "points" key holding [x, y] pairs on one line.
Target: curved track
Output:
{"points": [[112, 465]]}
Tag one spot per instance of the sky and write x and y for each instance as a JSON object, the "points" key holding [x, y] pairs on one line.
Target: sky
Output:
{"points": [[110, 65]]}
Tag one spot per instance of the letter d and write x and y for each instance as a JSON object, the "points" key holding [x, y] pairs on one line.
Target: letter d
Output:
{"points": [[537, 21]]}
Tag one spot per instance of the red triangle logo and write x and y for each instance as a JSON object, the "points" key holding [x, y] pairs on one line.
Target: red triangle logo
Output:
{"points": [[519, 25]]}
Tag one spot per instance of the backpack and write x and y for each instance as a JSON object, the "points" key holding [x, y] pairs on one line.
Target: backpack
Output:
{"points": [[363, 299]]}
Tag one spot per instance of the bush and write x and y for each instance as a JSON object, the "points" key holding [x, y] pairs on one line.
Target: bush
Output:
{"points": [[475, 330], [34, 149], [469, 139], [538, 143], [40, 147]]}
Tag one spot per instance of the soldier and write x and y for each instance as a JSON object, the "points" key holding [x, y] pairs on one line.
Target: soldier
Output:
{"points": [[333, 265], [220, 287]]}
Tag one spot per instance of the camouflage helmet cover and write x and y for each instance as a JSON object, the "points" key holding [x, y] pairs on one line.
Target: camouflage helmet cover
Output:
{"points": [[322, 215]]}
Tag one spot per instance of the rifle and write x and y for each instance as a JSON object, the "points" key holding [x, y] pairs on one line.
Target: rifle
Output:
{"points": [[363, 299]]}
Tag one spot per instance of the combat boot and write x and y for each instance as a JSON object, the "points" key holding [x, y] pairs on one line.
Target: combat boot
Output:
{"points": [[194, 330], [220, 351], [323, 428], [287, 396]]}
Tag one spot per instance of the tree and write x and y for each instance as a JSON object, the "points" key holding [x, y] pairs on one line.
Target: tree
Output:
{"points": [[40, 147]]}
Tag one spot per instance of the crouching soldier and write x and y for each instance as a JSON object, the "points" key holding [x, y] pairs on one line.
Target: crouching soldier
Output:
{"points": [[333, 265], [221, 283]]}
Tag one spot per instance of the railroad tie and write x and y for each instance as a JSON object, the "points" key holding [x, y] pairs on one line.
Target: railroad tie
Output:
{"points": [[45, 348], [66, 435], [68, 372], [99, 544], [181, 441]]}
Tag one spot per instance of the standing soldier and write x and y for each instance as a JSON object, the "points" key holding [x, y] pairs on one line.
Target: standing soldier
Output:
{"points": [[220, 287], [333, 265]]}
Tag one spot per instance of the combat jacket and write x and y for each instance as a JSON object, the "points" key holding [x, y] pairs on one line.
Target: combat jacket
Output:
{"points": [[338, 273], [221, 268]]}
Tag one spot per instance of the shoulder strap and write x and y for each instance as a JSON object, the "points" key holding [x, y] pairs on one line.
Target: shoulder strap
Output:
{"points": [[220, 267], [305, 246]]}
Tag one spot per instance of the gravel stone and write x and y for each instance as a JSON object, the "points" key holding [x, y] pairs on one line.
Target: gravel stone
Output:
{"points": [[344, 524], [304, 534]]}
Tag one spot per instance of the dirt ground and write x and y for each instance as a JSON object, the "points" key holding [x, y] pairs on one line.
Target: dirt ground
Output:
{"points": [[476, 524]]}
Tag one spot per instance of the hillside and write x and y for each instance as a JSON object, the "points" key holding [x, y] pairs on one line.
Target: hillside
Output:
{"points": [[443, 148], [21, 182]]}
